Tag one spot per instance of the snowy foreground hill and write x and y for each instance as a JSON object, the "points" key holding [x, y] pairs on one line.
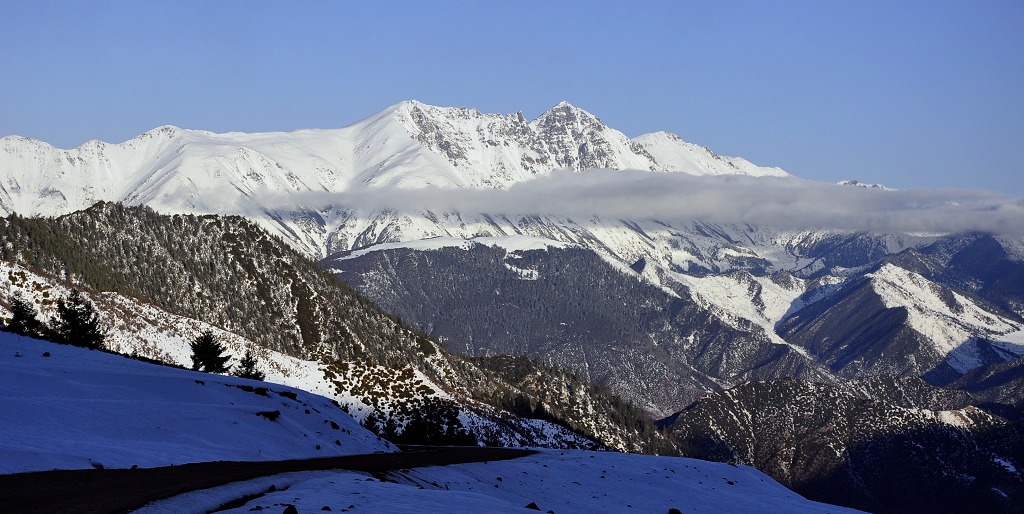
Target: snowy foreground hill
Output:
{"points": [[558, 481], [70, 408]]}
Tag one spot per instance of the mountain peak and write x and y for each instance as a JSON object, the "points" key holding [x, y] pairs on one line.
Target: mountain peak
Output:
{"points": [[164, 130], [564, 108], [566, 117], [407, 106], [857, 183]]}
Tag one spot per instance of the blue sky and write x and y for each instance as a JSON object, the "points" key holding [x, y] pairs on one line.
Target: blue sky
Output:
{"points": [[911, 94]]}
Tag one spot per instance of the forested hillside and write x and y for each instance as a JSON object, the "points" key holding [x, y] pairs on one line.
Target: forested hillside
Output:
{"points": [[836, 444], [570, 307], [232, 274]]}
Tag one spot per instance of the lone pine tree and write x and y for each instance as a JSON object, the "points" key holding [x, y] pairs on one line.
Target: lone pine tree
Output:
{"points": [[77, 323], [247, 367], [208, 354]]}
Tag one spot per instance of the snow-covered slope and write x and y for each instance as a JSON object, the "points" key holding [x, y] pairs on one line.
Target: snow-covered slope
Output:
{"points": [[947, 319], [570, 481], [69, 408], [670, 153]]}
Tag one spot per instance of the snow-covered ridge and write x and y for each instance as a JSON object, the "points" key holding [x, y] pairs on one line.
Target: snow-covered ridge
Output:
{"points": [[857, 183], [944, 317], [671, 153]]}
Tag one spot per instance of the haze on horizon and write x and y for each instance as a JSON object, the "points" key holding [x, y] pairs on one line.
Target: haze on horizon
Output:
{"points": [[912, 95]]}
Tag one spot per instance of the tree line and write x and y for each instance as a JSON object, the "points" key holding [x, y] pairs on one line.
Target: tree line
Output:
{"points": [[209, 355], [77, 323]]}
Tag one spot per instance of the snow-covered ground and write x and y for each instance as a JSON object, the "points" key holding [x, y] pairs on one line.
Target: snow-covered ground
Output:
{"points": [[69, 408], [559, 481], [64, 407]]}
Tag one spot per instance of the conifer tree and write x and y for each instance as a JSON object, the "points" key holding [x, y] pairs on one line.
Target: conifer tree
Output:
{"points": [[208, 354], [24, 321], [247, 367], [77, 322]]}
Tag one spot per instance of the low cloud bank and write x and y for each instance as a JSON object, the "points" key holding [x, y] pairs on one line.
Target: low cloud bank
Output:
{"points": [[781, 202]]}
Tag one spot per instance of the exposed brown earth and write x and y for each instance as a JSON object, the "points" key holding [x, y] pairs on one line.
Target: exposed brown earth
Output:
{"points": [[122, 490]]}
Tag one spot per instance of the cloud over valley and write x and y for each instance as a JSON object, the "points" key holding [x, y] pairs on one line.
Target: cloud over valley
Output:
{"points": [[781, 202]]}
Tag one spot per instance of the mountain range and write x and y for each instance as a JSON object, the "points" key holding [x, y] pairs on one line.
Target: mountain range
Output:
{"points": [[269, 176], [490, 235]]}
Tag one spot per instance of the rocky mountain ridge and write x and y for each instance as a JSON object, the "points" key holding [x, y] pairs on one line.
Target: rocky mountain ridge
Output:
{"points": [[274, 177], [836, 444]]}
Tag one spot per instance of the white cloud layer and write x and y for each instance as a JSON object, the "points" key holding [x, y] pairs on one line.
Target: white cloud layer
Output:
{"points": [[781, 202]]}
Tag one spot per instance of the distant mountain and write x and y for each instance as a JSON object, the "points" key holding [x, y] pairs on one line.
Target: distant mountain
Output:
{"points": [[895, 321], [854, 313], [570, 307], [834, 444], [857, 183], [1000, 386], [270, 177]]}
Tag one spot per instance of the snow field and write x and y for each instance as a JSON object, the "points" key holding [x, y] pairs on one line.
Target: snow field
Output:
{"points": [[70, 408], [559, 481]]}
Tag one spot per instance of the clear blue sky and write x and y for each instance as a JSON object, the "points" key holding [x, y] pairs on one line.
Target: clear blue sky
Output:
{"points": [[909, 93]]}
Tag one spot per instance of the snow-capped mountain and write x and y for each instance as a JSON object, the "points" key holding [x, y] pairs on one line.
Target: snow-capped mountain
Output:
{"points": [[857, 183], [269, 176], [659, 309]]}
